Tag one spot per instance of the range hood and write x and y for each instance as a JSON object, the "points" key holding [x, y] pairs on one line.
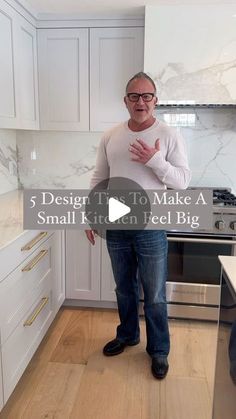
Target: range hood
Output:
{"points": [[190, 52]]}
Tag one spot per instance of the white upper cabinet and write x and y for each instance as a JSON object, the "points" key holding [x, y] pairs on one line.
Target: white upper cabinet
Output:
{"points": [[18, 71], [67, 101], [8, 94], [74, 78], [28, 75], [190, 51], [116, 54], [63, 79]]}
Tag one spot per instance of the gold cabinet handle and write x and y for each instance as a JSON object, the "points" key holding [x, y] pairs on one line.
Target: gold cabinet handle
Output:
{"points": [[34, 261], [34, 241], [31, 320]]}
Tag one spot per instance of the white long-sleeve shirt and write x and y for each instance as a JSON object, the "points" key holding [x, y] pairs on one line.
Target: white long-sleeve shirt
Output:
{"points": [[167, 168]]}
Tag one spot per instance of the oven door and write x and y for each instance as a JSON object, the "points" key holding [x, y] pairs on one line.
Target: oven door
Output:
{"points": [[193, 284]]}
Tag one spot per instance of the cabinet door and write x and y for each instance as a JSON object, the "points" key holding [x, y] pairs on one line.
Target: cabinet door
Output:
{"points": [[28, 78], [82, 266], [107, 278], [63, 79], [116, 55], [58, 269], [8, 82], [27, 304]]}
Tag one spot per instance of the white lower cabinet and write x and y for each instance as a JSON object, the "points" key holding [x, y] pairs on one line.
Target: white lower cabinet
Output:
{"points": [[26, 338], [58, 263], [30, 297], [88, 269], [107, 278], [82, 266]]}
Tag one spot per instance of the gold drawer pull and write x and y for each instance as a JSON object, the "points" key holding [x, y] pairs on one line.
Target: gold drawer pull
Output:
{"points": [[34, 261], [34, 241], [31, 320]]}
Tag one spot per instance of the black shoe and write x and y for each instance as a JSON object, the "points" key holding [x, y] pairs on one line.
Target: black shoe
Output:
{"points": [[116, 347], [160, 367]]}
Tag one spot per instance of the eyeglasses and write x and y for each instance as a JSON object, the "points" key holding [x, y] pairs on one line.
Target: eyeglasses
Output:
{"points": [[134, 97]]}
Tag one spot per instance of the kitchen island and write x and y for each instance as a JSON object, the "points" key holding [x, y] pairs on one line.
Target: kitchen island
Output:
{"points": [[224, 402]]}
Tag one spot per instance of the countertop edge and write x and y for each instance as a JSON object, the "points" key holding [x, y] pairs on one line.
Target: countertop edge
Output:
{"points": [[228, 263]]}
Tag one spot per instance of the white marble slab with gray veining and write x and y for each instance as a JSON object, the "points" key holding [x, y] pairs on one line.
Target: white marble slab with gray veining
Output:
{"points": [[11, 217], [60, 160], [66, 160], [210, 136], [8, 161], [190, 52]]}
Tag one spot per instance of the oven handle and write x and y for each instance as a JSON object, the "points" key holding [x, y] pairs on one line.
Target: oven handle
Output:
{"points": [[200, 240]]}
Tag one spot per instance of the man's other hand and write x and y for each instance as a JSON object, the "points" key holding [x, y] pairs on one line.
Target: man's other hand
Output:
{"points": [[91, 234]]}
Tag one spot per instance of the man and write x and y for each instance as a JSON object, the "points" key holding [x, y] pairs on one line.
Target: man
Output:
{"points": [[149, 152]]}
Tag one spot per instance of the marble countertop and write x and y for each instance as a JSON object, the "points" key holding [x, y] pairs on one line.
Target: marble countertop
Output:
{"points": [[229, 265], [11, 217]]}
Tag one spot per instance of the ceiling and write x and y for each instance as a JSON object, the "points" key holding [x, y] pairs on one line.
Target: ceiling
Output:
{"points": [[101, 7]]}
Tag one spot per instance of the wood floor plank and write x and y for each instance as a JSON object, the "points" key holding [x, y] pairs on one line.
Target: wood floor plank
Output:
{"points": [[88, 331], [184, 397], [208, 354], [118, 388], [192, 349], [27, 385], [56, 392]]}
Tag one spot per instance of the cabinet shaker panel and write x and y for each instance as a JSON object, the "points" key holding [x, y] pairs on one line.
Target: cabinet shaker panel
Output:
{"points": [[63, 79], [28, 78], [107, 279], [7, 71], [82, 266], [116, 54]]}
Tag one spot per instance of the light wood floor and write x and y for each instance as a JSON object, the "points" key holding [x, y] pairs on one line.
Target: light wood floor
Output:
{"points": [[69, 377]]}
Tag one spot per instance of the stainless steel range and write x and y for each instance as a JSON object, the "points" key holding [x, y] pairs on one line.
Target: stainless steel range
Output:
{"points": [[193, 287]]}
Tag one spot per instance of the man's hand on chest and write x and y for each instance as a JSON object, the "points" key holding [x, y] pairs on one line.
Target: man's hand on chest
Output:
{"points": [[141, 152]]}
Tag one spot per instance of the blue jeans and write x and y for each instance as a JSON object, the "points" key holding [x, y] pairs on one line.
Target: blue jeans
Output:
{"points": [[141, 255]]}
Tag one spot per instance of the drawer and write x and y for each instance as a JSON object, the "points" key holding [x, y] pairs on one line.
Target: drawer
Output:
{"points": [[22, 286], [16, 252], [21, 345]]}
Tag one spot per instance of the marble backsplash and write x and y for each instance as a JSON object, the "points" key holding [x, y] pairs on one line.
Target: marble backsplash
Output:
{"points": [[210, 135], [8, 161], [67, 159], [59, 160]]}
